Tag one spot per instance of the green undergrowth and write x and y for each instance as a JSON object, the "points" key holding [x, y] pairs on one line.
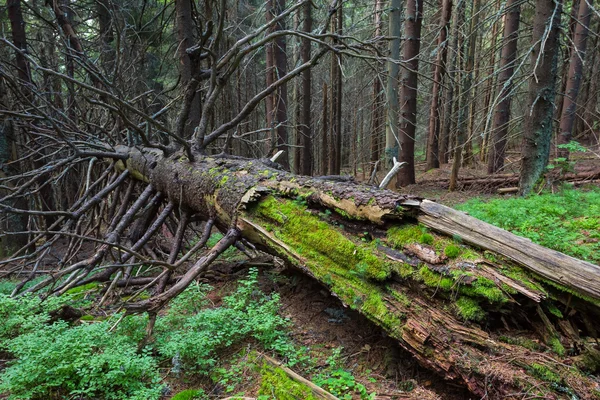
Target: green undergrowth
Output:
{"points": [[98, 358], [350, 268], [277, 385], [55, 359], [567, 221]]}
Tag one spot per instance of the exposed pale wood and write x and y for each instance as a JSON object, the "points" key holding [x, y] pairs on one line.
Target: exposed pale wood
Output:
{"points": [[513, 189], [581, 276]]}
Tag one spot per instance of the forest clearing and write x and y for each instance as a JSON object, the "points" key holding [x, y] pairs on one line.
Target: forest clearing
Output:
{"points": [[239, 199]]}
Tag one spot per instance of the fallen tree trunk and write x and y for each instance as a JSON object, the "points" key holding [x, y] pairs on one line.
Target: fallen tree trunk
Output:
{"points": [[493, 182], [506, 317]]}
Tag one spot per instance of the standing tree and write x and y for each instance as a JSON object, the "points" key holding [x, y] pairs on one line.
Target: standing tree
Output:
{"points": [[505, 81], [465, 97], [305, 129], [391, 87], [433, 137], [408, 111], [569, 106], [537, 132]]}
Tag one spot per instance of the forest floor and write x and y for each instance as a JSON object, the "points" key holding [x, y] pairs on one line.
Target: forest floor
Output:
{"points": [[335, 347]]}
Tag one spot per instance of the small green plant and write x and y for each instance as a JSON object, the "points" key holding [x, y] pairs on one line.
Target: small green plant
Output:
{"points": [[563, 163], [452, 251], [426, 238], [342, 384]]}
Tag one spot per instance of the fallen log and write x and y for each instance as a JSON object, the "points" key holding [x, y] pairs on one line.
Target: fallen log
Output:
{"points": [[497, 316], [500, 181]]}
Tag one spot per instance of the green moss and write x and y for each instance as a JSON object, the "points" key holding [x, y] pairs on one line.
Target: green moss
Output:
{"points": [[403, 270], [374, 306], [565, 289], [80, 292], [426, 238], [590, 361], [452, 251], [189, 394], [519, 275], [523, 342], [469, 309], [317, 239], [223, 181], [485, 288], [348, 267], [469, 254], [401, 235], [544, 373], [276, 384], [556, 346], [400, 297], [434, 280], [554, 310]]}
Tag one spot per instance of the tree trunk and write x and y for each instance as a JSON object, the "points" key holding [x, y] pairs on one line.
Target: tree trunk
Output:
{"points": [[537, 133], [280, 55], [391, 87], [408, 110], [465, 98], [335, 123], [305, 129], [450, 95], [376, 114], [187, 66], [438, 75], [325, 143], [434, 306], [569, 106], [17, 26], [505, 81]]}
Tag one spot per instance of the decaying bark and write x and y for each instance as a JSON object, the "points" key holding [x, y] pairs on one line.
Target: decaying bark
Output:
{"points": [[504, 317]]}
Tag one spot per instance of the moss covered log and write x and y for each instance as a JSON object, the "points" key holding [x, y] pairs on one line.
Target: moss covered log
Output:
{"points": [[472, 313]]}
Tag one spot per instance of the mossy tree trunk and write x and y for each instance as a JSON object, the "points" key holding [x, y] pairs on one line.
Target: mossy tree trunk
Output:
{"points": [[500, 317]]}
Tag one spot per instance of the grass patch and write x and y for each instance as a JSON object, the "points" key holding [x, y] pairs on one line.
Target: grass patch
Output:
{"points": [[567, 221]]}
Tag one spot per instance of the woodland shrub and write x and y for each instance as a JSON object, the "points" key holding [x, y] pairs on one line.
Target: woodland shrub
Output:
{"points": [[196, 338], [59, 360]]}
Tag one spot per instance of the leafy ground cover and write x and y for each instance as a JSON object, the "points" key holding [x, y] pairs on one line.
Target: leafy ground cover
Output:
{"points": [[207, 345], [567, 221]]}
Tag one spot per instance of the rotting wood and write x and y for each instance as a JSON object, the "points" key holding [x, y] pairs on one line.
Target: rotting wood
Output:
{"points": [[576, 274]]}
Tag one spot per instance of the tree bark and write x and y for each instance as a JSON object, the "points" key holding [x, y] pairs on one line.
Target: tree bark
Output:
{"points": [[305, 129], [569, 106], [391, 87], [438, 75], [408, 110], [465, 98], [449, 97], [377, 120], [187, 66], [335, 123], [505, 81], [17, 25], [537, 132]]}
